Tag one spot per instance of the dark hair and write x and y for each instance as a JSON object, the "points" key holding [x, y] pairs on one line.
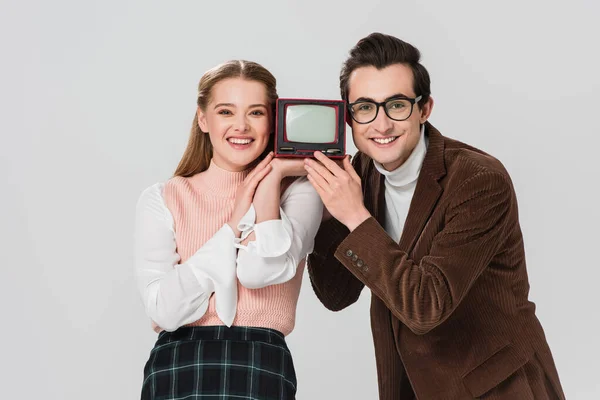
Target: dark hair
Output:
{"points": [[380, 51], [199, 150]]}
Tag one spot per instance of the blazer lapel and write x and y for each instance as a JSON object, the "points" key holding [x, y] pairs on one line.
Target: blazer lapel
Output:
{"points": [[427, 191]]}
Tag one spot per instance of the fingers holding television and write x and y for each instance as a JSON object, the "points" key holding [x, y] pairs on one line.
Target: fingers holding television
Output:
{"points": [[323, 170]]}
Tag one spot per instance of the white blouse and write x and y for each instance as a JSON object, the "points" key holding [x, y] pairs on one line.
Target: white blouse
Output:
{"points": [[178, 294]]}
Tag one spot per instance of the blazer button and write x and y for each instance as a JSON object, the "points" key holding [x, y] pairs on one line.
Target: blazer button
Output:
{"points": [[360, 263], [349, 253], [354, 257]]}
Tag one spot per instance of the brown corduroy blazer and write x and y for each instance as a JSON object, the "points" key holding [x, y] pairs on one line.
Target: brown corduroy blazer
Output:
{"points": [[450, 314]]}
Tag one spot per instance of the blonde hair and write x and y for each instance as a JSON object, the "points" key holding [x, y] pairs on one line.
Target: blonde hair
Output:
{"points": [[199, 151]]}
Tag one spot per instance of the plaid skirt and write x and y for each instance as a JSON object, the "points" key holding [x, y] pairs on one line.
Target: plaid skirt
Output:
{"points": [[216, 362]]}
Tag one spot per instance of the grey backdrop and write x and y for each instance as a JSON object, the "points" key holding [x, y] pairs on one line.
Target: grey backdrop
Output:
{"points": [[96, 102]]}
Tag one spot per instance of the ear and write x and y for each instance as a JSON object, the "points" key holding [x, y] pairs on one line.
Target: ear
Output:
{"points": [[426, 110], [348, 118], [202, 120], [347, 108]]}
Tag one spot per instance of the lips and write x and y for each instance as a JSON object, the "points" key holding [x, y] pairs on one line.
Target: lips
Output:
{"points": [[241, 141], [386, 140]]}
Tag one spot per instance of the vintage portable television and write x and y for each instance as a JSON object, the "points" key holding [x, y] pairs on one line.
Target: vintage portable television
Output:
{"points": [[303, 126]]}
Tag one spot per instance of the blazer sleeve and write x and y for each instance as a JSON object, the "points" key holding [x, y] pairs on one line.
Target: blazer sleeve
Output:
{"points": [[423, 295], [335, 286]]}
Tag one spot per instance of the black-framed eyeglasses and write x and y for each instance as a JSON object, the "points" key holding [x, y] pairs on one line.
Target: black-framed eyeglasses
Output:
{"points": [[398, 109]]}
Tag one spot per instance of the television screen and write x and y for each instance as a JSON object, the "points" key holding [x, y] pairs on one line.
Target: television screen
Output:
{"points": [[309, 123]]}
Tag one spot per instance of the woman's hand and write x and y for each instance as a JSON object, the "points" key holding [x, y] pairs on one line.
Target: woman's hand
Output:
{"points": [[284, 167], [245, 192]]}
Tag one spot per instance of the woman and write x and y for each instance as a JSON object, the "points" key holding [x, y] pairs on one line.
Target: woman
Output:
{"points": [[220, 249]]}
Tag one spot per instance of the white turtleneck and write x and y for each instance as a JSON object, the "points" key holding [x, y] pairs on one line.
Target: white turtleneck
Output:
{"points": [[400, 186]]}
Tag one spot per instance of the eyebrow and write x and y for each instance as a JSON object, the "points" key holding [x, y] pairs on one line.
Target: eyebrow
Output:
{"points": [[233, 105], [392, 97]]}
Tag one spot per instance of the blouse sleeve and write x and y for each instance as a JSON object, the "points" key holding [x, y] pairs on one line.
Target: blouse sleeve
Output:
{"points": [[279, 244], [177, 294]]}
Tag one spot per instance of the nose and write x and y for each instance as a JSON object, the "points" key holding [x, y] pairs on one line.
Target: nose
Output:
{"points": [[382, 124], [241, 124]]}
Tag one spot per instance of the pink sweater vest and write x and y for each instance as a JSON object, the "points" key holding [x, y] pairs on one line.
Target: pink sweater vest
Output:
{"points": [[200, 206]]}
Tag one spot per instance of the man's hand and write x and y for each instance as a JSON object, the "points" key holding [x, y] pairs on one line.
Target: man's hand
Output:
{"points": [[340, 189]]}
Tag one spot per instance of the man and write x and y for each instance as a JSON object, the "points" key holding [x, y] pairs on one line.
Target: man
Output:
{"points": [[430, 226]]}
